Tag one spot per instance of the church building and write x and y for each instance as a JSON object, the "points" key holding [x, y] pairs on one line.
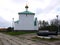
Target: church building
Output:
{"points": [[26, 21]]}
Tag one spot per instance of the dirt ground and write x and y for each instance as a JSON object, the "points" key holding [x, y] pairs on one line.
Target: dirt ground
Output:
{"points": [[23, 40]]}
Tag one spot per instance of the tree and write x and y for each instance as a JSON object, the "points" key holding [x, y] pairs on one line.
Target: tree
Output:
{"points": [[55, 24], [10, 29], [43, 24]]}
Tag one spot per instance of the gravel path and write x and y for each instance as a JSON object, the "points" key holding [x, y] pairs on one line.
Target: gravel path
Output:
{"points": [[12, 40], [28, 37], [22, 40]]}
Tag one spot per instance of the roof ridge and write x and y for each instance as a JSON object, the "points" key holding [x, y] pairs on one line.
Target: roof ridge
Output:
{"points": [[26, 12]]}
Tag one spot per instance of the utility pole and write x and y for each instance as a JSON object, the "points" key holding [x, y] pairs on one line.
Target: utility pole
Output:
{"points": [[12, 22], [57, 23]]}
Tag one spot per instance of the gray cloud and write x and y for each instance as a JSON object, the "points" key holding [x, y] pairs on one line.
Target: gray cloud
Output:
{"points": [[18, 1], [4, 23], [53, 4], [58, 9], [39, 11]]}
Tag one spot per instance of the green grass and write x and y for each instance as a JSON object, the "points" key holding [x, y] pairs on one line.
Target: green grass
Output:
{"points": [[44, 39], [18, 33]]}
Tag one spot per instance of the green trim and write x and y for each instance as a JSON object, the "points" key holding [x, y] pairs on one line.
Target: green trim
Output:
{"points": [[35, 22], [17, 21], [27, 12]]}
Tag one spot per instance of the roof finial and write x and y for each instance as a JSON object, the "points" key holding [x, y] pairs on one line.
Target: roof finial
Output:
{"points": [[26, 6]]}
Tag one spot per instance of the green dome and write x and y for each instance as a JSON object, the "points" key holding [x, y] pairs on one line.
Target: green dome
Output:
{"points": [[27, 12]]}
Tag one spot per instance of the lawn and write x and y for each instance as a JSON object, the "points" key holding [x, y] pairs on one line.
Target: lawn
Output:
{"points": [[19, 32]]}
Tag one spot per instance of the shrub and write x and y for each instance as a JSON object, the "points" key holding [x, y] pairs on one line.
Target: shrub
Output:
{"points": [[10, 29]]}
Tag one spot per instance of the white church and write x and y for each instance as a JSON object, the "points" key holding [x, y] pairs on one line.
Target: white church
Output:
{"points": [[26, 21]]}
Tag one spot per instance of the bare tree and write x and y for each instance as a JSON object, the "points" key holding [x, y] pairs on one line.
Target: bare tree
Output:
{"points": [[54, 22], [43, 23]]}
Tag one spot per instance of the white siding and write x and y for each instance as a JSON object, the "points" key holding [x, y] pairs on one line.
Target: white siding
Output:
{"points": [[25, 23]]}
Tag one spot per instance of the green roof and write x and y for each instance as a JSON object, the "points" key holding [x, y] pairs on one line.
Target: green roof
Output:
{"points": [[26, 12]]}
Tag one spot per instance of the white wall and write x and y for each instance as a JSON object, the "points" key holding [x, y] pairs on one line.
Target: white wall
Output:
{"points": [[25, 23]]}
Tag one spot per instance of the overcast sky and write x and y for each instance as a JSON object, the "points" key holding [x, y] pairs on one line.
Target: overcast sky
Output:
{"points": [[43, 9]]}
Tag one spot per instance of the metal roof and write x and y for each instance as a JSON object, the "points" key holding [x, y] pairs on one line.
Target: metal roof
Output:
{"points": [[27, 12]]}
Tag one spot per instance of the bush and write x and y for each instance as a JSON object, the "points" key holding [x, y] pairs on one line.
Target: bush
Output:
{"points": [[50, 28], [10, 29]]}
